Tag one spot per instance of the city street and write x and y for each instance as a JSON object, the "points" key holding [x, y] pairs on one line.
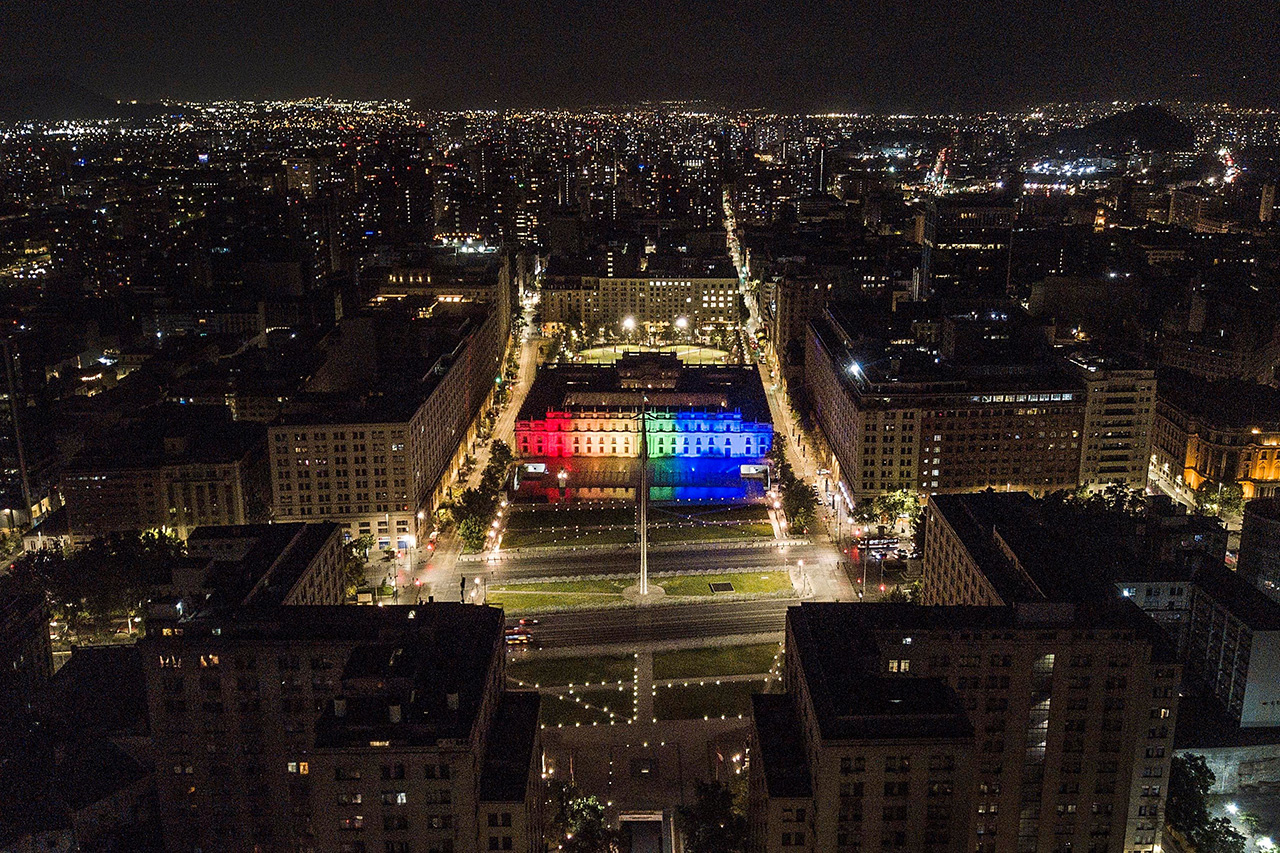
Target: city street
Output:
{"points": [[632, 625]]}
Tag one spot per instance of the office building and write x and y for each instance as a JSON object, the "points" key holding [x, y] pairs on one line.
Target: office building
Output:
{"points": [[1027, 727], [984, 411], [599, 296], [341, 729], [965, 246], [261, 564], [1235, 646], [385, 419]]}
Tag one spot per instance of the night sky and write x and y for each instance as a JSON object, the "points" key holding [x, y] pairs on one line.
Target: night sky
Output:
{"points": [[784, 54]]}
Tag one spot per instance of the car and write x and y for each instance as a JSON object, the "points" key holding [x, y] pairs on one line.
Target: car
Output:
{"points": [[901, 553], [518, 636], [528, 620]]}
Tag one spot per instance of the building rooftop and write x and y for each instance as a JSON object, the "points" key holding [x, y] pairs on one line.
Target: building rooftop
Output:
{"points": [[272, 559], [895, 362], [100, 690], [837, 651], [1227, 403], [1049, 550], [838, 648], [564, 387], [504, 775], [1245, 601], [173, 434], [379, 367], [782, 753]]}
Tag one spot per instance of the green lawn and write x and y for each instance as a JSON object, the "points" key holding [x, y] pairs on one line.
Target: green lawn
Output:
{"points": [[556, 710], [543, 519], [516, 598], [531, 537], [711, 532], [744, 583], [610, 585], [573, 670], [711, 700], [712, 662], [750, 512]]}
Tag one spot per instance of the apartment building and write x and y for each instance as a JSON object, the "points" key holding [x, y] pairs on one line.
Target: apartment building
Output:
{"points": [[1119, 418], [352, 729], [1038, 726]]}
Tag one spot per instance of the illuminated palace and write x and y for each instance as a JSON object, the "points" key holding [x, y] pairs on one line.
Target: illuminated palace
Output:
{"points": [[1217, 431], [691, 412]]}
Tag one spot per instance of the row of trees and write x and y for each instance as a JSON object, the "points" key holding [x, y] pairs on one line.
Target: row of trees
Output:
{"points": [[472, 509], [109, 578], [798, 500]]}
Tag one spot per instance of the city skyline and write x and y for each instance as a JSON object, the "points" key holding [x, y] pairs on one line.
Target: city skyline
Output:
{"points": [[783, 56]]}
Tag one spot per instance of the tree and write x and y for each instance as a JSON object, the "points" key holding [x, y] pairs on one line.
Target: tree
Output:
{"points": [[1221, 499], [1187, 810], [354, 554], [500, 453], [578, 824], [472, 532], [109, 577], [713, 824]]}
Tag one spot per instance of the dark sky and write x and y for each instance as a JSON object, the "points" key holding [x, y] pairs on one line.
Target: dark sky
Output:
{"points": [[784, 54]]}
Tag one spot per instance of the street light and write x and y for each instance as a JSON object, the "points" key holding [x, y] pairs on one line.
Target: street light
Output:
{"points": [[628, 326]]}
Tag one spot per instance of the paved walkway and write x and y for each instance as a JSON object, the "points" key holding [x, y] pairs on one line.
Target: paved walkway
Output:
{"points": [[438, 571]]}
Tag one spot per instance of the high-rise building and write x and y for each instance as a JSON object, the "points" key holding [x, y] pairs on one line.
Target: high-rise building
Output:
{"points": [[1025, 727], [1234, 646], [1119, 416], [341, 729], [26, 656], [965, 246]]}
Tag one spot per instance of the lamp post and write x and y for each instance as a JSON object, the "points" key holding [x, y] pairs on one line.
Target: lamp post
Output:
{"points": [[628, 326], [643, 497]]}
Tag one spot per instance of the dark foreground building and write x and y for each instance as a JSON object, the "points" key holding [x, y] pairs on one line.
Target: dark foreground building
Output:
{"points": [[1033, 727], [341, 730]]}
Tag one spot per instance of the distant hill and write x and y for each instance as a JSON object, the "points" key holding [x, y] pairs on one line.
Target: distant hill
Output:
{"points": [[1144, 128], [51, 98]]}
